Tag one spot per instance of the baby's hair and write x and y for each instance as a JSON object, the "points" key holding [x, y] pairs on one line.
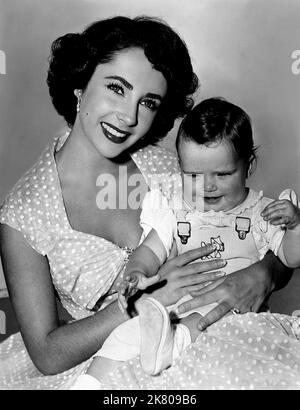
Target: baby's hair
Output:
{"points": [[216, 120]]}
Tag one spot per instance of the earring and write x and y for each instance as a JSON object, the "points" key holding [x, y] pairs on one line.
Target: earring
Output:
{"points": [[78, 95]]}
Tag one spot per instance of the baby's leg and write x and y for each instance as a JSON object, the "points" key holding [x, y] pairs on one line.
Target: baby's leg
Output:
{"points": [[121, 345], [101, 367], [95, 374]]}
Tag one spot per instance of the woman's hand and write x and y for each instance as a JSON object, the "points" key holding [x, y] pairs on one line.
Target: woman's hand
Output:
{"points": [[181, 277], [245, 290]]}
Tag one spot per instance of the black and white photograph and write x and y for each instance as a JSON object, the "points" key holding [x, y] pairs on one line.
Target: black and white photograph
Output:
{"points": [[149, 197]]}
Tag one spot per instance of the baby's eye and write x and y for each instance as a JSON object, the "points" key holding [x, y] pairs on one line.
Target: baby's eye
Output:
{"points": [[151, 104], [223, 174], [116, 87]]}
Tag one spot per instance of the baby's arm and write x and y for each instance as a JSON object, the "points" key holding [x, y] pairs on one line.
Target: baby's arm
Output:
{"points": [[141, 269], [283, 212]]}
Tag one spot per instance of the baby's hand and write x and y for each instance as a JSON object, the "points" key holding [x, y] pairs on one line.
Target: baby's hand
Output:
{"points": [[131, 284], [127, 288], [282, 212]]}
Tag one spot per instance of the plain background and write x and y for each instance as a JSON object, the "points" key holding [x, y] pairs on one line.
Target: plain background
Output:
{"points": [[241, 50]]}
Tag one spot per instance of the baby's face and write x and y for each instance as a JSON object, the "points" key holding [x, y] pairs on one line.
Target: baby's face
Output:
{"points": [[213, 177]]}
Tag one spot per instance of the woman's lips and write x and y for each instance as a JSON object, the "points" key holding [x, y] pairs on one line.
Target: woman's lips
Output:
{"points": [[114, 134]]}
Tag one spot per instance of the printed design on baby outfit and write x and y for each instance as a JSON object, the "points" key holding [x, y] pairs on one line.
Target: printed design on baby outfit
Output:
{"points": [[218, 245]]}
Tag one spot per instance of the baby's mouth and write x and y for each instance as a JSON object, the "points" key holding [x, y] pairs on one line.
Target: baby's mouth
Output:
{"points": [[114, 134], [212, 199]]}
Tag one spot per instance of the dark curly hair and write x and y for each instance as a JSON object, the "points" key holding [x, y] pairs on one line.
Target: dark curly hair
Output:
{"points": [[216, 119], [75, 56]]}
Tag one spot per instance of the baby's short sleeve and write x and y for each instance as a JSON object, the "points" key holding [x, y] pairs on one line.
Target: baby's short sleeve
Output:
{"points": [[266, 235], [158, 215], [276, 239]]}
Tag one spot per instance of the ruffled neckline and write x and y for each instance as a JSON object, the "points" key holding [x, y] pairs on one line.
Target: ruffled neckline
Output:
{"points": [[221, 218], [249, 203]]}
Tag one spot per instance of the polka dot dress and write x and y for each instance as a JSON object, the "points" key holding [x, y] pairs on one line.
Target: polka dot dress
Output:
{"points": [[84, 268], [240, 352]]}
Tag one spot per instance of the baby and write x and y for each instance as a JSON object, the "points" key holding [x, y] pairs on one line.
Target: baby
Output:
{"points": [[210, 205]]}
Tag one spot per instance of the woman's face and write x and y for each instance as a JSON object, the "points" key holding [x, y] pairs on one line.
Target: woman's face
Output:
{"points": [[120, 102], [219, 175]]}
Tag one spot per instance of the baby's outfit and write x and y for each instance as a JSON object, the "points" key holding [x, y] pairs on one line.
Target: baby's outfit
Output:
{"points": [[240, 236]]}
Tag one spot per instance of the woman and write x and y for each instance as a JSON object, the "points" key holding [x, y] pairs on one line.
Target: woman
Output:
{"points": [[120, 85]]}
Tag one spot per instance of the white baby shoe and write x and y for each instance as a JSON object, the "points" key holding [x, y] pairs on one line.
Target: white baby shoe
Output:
{"points": [[161, 342]]}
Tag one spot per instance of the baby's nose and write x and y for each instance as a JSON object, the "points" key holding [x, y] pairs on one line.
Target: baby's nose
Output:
{"points": [[209, 183]]}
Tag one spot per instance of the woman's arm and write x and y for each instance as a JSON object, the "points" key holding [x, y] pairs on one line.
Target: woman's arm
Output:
{"points": [[53, 348], [246, 289]]}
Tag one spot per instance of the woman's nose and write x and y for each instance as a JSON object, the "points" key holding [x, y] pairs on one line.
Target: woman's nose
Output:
{"points": [[128, 114], [209, 183]]}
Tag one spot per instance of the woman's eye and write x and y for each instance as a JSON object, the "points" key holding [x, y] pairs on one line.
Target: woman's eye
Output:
{"points": [[151, 104], [115, 87]]}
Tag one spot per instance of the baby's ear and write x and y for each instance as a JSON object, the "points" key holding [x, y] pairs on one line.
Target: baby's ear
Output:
{"points": [[251, 165], [249, 170]]}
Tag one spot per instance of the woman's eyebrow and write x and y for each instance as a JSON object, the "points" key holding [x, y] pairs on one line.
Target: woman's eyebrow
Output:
{"points": [[155, 96], [122, 80]]}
